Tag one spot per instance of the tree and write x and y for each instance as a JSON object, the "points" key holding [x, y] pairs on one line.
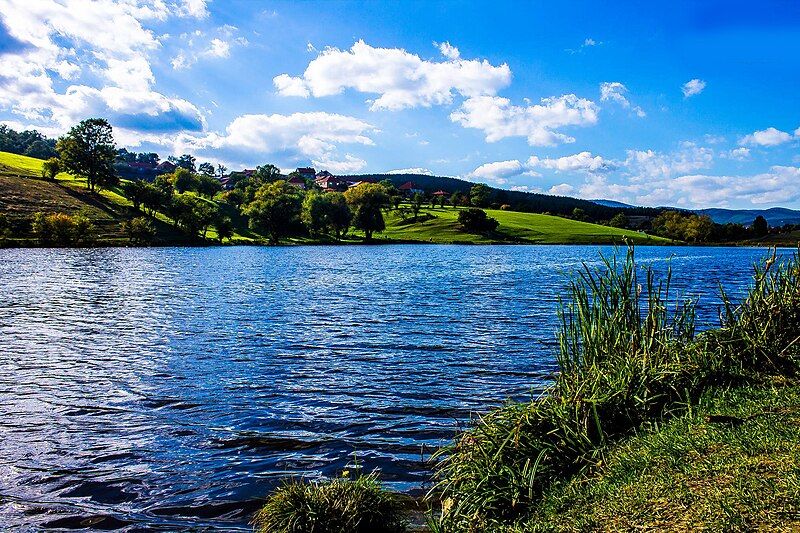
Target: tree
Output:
{"points": [[185, 161], [457, 198], [476, 221], [224, 228], [367, 200], [620, 220], [266, 174], [208, 186], [183, 180], [88, 151], [139, 231], [416, 204], [61, 228], [221, 169], [434, 201], [339, 215], [136, 191], [580, 214], [206, 169], [315, 212], [156, 198], [760, 226], [51, 168], [479, 195], [275, 208]]}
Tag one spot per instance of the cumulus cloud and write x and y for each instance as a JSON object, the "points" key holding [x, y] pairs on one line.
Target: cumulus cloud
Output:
{"points": [[497, 172], [499, 119], [581, 162], [615, 91], [401, 79], [300, 136], [693, 87], [197, 45], [739, 154], [71, 40], [768, 137], [413, 170]]}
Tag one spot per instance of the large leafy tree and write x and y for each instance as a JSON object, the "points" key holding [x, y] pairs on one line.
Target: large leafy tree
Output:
{"points": [[367, 200], [275, 209], [88, 150], [479, 195]]}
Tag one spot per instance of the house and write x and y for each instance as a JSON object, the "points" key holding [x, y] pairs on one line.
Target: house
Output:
{"points": [[296, 181], [329, 182], [439, 194], [166, 167], [307, 173], [409, 189]]}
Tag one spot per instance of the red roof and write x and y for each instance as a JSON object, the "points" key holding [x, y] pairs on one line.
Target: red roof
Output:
{"points": [[441, 193], [407, 186]]}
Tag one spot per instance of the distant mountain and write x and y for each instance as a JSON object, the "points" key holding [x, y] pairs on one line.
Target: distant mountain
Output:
{"points": [[776, 216], [613, 203], [518, 200]]}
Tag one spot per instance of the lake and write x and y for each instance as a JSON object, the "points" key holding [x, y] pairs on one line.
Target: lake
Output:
{"points": [[175, 387]]}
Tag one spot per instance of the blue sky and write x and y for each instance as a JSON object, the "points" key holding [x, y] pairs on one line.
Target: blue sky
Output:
{"points": [[672, 104]]}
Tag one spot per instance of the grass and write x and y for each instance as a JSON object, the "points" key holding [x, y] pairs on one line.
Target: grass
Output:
{"points": [[732, 463], [629, 362], [441, 226], [342, 505]]}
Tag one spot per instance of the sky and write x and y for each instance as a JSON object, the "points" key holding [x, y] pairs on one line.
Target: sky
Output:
{"points": [[687, 104]]}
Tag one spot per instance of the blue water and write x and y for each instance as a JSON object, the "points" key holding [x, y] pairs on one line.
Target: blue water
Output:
{"points": [[173, 388]]}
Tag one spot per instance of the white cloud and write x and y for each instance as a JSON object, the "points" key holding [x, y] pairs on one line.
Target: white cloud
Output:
{"points": [[562, 189], [589, 42], [497, 172], [300, 136], [693, 87], [615, 91], [348, 165], [414, 170], [75, 40], [198, 46], [767, 137], [449, 51], [648, 165], [193, 8], [581, 162], [498, 119], [401, 79], [739, 154]]}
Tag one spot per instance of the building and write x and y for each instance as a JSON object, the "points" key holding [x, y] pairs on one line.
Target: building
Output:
{"points": [[409, 189], [166, 167], [296, 181], [307, 173], [439, 194], [330, 183]]}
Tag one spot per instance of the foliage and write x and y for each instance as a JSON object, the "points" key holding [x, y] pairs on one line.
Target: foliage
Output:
{"points": [[683, 226], [367, 200], [5, 227], [30, 143], [207, 186], [458, 198], [627, 357], [224, 227], [479, 195], [476, 221], [416, 204], [193, 214], [140, 231], [340, 505], [51, 168], [620, 220], [186, 162], [136, 191], [206, 169], [275, 208], [88, 151], [760, 226], [184, 180], [61, 228]]}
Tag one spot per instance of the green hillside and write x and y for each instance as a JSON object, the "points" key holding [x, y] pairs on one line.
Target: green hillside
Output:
{"points": [[514, 226]]}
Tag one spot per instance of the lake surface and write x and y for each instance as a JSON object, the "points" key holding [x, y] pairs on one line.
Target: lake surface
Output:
{"points": [[174, 388]]}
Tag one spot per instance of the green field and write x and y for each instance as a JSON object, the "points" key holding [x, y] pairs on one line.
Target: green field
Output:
{"points": [[514, 227], [22, 193]]}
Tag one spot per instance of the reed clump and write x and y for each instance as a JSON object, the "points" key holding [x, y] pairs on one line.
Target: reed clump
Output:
{"points": [[629, 355], [342, 505]]}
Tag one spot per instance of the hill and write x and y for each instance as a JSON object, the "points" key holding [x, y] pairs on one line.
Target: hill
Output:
{"points": [[613, 203], [23, 192], [775, 216], [518, 200], [440, 225]]}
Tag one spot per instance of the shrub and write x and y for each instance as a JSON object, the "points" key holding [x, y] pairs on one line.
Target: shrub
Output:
{"points": [[61, 229], [139, 230], [626, 357], [475, 220], [340, 505]]}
